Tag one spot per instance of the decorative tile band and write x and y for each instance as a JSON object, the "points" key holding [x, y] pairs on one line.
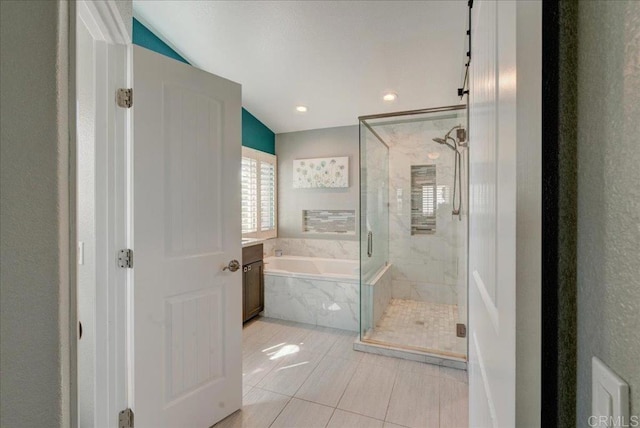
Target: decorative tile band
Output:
{"points": [[341, 222]]}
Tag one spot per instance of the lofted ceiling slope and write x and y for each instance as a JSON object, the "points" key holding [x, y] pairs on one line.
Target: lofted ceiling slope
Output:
{"points": [[336, 57]]}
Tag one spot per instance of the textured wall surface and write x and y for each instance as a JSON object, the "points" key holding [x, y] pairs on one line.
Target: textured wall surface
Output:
{"points": [[33, 184], [125, 9], [608, 194], [567, 211], [317, 143]]}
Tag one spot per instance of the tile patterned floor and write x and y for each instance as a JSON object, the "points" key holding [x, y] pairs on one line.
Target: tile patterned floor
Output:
{"points": [[424, 325], [297, 375]]}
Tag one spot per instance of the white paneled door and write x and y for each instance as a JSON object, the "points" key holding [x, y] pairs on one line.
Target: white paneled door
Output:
{"points": [[492, 215], [187, 312]]}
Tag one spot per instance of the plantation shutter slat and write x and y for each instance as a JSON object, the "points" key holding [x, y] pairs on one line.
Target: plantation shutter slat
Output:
{"points": [[249, 180], [267, 196]]}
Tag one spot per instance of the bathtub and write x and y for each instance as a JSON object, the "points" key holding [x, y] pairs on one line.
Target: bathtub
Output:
{"points": [[313, 268], [311, 290]]}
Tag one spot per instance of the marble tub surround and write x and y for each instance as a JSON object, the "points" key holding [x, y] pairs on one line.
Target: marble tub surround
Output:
{"points": [[269, 247], [313, 301], [324, 248]]}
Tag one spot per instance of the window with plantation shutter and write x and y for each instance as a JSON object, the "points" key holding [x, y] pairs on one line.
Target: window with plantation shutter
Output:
{"points": [[259, 194], [267, 196], [249, 195]]}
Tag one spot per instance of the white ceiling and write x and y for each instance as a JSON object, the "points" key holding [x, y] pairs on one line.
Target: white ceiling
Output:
{"points": [[336, 57]]}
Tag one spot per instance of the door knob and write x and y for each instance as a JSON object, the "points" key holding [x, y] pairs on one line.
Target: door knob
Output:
{"points": [[233, 266]]}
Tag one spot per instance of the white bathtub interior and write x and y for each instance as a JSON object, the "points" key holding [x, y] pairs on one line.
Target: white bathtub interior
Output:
{"points": [[314, 266]]}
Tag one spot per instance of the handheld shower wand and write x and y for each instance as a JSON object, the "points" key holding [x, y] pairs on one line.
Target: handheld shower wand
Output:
{"points": [[457, 164]]}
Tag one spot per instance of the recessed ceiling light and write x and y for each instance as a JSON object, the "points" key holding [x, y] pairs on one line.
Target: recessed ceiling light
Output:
{"points": [[301, 109], [390, 96]]}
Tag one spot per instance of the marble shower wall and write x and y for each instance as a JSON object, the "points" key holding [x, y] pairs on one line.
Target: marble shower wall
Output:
{"points": [[429, 266]]}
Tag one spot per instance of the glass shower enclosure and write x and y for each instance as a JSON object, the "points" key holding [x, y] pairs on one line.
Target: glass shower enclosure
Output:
{"points": [[413, 232]]}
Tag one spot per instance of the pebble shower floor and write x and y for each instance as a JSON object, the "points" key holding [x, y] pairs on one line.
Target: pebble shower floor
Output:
{"points": [[417, 324]]}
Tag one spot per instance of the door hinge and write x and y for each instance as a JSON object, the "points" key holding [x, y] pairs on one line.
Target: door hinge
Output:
{"points": [[124, 97], [125, 419], [461, 330], [125, 258]]}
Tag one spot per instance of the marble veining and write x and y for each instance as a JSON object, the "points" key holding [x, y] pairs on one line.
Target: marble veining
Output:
{"points": [[318, 301]]}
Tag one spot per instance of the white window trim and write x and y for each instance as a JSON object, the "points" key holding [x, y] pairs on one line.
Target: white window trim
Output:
{"points": [[272, 159]]}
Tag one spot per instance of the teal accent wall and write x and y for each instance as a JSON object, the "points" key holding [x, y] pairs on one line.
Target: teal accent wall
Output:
{"points": [[142, 36], [255, 134]]}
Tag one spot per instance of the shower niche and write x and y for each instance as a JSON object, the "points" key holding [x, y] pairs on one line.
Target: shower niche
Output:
{"points": [[413, 230], [423, 199]]}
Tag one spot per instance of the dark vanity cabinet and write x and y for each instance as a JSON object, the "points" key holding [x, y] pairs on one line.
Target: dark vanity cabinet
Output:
{"points": [[252, 282]]}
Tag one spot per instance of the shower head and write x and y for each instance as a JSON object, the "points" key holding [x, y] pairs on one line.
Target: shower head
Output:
{"points": [[443, 141], [460, 142]]}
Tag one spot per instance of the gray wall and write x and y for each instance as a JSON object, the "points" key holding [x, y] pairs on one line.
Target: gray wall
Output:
{"points": [[34, 344], [567, 212], [341, 141], [608, 194]]}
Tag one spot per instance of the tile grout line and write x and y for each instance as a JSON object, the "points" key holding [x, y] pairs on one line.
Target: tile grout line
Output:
{"points": [[280, 412], [348, 383], [395, 378], [439, 400], [308, 376], [330, 417], [276, 366], [365, 416], [290, 397]]}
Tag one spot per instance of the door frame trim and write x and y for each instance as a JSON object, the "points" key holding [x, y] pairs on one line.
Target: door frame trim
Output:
{"points": [[105, 24]]}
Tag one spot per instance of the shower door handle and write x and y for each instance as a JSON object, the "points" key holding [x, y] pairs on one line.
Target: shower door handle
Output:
{"points": [[370, 244]]}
